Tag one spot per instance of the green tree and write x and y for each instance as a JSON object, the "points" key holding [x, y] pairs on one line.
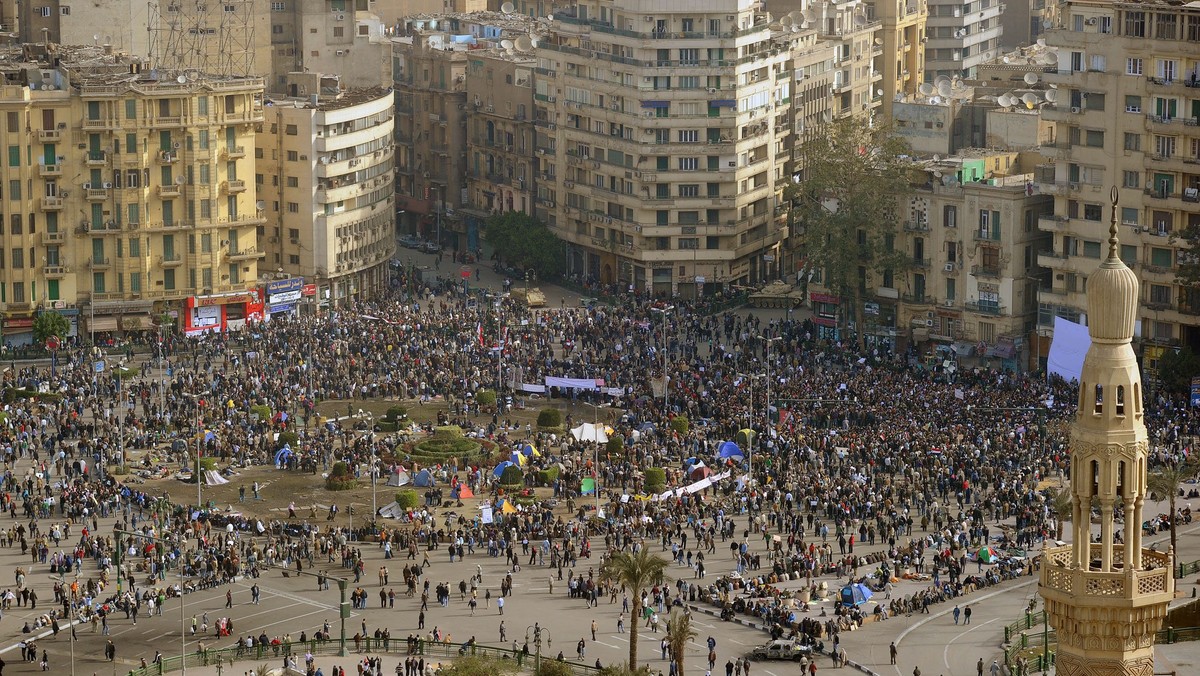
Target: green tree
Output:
{"points": [[1060, 505], [408, 499], [48, 324], [855, 180], [680, 632], [525, 242], [1176, 368], [1164, 484], [634, 572]]}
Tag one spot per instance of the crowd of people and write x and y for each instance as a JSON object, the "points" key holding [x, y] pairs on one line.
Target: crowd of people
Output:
{"points": [[867, 465]]}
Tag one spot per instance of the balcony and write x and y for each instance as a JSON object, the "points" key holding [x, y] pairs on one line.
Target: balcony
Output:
{"points": [[233, 152], [96, 158], [1062, 577], [921, 263], [52, 203], [165, 191], [916, 226], [96, 194], [170, 260], [55, 271], [50, 170], [985, 308], [992, 271], [167, 157], [53, 237], [245, 254], [918, 299], [1054, 223], [99, 263], [233, 186], [50, 135]]}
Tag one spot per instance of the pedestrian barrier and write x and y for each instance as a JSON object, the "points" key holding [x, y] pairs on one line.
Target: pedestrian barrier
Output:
{"points": [[397, 647], [1029, 621], [1186, 568]]}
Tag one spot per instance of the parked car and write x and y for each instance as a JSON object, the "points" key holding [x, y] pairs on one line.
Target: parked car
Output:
{"points": [[781, 649], [429, 247], [410, 242]]}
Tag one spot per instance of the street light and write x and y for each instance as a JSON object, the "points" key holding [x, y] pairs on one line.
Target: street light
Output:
{"points": [[666, 379], [767, 420], [537, 631]]}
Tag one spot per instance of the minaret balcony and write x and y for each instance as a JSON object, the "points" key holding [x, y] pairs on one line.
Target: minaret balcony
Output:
{"points": [[1152, 579]]}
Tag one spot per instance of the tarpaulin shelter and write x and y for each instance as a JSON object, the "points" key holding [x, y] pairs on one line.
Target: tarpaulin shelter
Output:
{"points": [[987, 555], [587, 486], [590, 432], [699, 471], [213, 478], [501, 467]]}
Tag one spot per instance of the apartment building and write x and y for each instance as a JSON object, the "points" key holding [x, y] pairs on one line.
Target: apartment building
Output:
{"points": [[903, 33], [126, 193], [961, 36], [343, 37], [1125, 116], [971, 231], [665, 131], [325, 179], [500, 133]]}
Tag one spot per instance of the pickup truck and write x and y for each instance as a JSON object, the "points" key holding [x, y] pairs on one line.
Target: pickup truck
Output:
{"points": [[781, 649]]}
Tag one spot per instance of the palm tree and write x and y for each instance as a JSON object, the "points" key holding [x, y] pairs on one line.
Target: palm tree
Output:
{"points": [[679, 633], [1060, 504], [634, 572], [1164, 483]]}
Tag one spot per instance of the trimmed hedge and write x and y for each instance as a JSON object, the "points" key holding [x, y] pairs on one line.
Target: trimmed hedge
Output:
{"points": [[340, 478], [656, 479], [549, 419], [485, 397], [547, 477], [396, 413], [680, 424], [262, 411], [512, 476], [448, 432], [408, 499], [615, 445], [288, 439]]}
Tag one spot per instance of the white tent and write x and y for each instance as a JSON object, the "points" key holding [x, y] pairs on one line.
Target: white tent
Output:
{"points": [[213, 478], [398, 477], [590, 432]]}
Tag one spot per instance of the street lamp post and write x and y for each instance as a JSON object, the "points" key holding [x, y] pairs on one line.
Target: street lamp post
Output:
{"points": [[537, 631], [663, 347], [767, 405]]}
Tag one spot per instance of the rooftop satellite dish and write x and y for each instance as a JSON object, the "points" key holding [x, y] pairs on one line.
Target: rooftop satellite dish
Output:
{"points": [[1029, 98], [1005, 60], [937, 158], [192, 75], [1031, 78], [507, 8], [1041, 42], [182, 79], [181, 180], [879, 41], [1050, 58], [878, 92], [809, 14], [523, 43], [940, 80], [1003, 101], [1046, 23], [937, 174], [260, 205], [925, 89], [506, 44], [860, 19], [1051, 95], [549, 17], [96, 38], [943, 90], [796, 16], [786, 22], [804, 25]]}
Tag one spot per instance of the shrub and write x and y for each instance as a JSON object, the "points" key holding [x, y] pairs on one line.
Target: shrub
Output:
{"points": [[262, 411], [549, 419], [50, 397], [340, 478], [656, 479], [396, 413], [547, 477], [288, 439], [447, 432], [386, 426], [340, 469], [408, 499], [485, 398], [511, 476], [680, 424], [615, 445]]}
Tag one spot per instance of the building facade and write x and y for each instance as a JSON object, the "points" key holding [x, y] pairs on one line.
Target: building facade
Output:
{"points": [[1125, 115], [325, 179], [961, 36], [902, 30], [134, 195], [665, 130], [500, 133]]}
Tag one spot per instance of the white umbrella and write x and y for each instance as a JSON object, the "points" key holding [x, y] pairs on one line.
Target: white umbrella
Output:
{"points": [[590, 432]]}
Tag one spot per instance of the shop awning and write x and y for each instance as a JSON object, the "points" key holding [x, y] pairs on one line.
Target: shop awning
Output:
{"points": [[102, 323], [136, 322], [656, 104]]}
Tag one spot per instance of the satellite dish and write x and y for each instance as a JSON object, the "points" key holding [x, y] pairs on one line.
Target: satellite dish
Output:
{"points": [[809, 14], [878, 92], [796, 16], [506, 44], [192, 75], [796, 28], [1003, 101], [182, 79], [96, 37], [860, 19], [549, 17], [260, 205], [533, 42], [937, 158], [523, 43], [1005, 59], [507, 8], [1029, 98], [1051, 95], [925, 89], [1041, 41], [1051, 58], [1046, 23], [943, 90], [804, 25], [937, 174], [879, 41], [1031, 78], [940, 80], [181, 180], [786, 22]]}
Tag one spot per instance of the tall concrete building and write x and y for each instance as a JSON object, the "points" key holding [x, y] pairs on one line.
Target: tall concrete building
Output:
{"points": [[903, 33], [665, 129], [127, 193], [500, 133], [1125, 114], [961, 36], [325, 180], [341, 37], [1106, 598]]}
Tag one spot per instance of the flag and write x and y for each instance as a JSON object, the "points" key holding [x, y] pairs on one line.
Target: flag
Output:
{"points": [[479, 331]]}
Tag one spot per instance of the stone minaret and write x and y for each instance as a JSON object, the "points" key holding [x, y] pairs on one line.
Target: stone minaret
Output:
{"points": [[1105, 599]]}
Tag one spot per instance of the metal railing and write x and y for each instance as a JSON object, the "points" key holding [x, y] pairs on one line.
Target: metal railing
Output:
{"points": [[227, 656]]}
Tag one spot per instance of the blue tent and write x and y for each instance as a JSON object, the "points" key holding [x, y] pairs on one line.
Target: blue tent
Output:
{"points": [[423, 479], [501, 467], [526, 450], [730, 450], [283, 455], [854, 594]]}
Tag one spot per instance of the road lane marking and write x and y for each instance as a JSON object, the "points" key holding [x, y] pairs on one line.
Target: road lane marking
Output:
{"points": [[946, 651]]}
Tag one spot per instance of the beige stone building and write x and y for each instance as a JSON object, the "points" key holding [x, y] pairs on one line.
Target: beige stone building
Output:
{"points": [[338, 37], [961, 36], [665, 129], [127, 194], [1125, 115], [903, 33], [500, 133], [325, 179]]}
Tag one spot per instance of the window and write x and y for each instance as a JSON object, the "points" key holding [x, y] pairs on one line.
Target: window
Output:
{"points": [[1135, 24], [97, 282], [689, 243], [293, 156], [689, 135], [1099, 63], [14, 156], [65, 11], [293, 208], [950, 216], [1094, 138], [45, 11], [1133, 66], [1091, 249], [1130, 179], [1133, 141], [290, 130], [1164, 146], [1160, 257], [689, 163], [339, 32], [1133, 104], [1129, 215], [293, 182], [169, 279], [277, 7], [689, 190]]}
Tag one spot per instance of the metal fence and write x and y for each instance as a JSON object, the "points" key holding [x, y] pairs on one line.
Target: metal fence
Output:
{"points": [[399, 647], [1186, 568]]}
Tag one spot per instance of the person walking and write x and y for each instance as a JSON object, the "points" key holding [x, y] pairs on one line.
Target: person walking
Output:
{"points": [[967, 615], [957, 612], [593, 630], [892, 650], [500, 604], [979, 667]]}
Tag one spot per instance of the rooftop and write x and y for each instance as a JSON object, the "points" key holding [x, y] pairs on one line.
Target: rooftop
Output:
{"points": [[345, 99]]}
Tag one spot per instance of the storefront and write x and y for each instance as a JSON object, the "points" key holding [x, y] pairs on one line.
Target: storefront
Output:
{"points": [[18, 331], [108, 320], [283, 298], [222, 312], [825, 313]]}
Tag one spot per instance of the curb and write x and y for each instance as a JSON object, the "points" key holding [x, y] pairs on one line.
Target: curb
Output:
{"points": [[756, 626]]}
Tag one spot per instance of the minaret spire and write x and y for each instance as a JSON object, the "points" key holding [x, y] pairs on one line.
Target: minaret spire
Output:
{"points": [[1114, 242]]}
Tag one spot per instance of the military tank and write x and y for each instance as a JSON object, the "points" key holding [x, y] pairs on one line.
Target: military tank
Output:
{"points": [[779, 295]]}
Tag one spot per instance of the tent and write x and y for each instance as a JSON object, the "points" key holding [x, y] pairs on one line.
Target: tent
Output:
{"points": [[987, 555], [283, 455], [699, 471], [464, 492], [501, 467], [518, 459], [424, 479], [213, 478], [587, 486], [528, 451], [392, 510], [590, 432], [398, 477], [730, 450], [855, 594], [745, 436]]}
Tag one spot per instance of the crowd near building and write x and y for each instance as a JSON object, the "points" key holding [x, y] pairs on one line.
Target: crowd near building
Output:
{"points": [[192, 160]]}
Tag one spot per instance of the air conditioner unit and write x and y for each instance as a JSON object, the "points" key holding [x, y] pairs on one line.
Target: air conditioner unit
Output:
{"points": [[1091, 21], [1075, 109], [294, 240], [175, 145], [929, 323], [87, 186], [949, 303], [949, 267], [340, 52], [339, 17], [108, 186]]}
